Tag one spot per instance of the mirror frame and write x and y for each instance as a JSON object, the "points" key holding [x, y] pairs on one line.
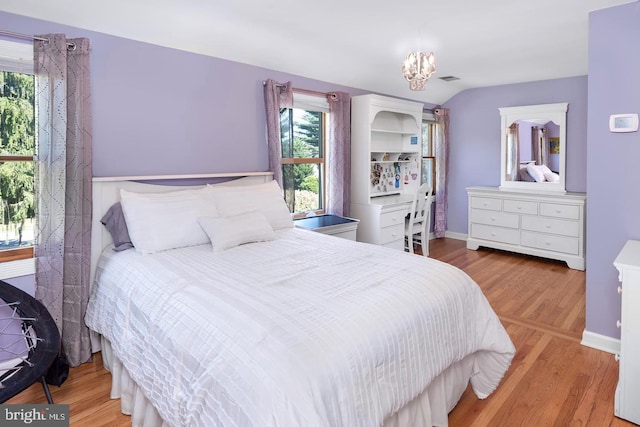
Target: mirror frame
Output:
{"points": [[556, 113]]}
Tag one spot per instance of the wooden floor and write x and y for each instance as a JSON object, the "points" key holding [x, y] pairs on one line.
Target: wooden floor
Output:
{"points": [[553, 380]]}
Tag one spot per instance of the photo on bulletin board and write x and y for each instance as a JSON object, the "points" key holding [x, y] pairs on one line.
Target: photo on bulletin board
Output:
{"points": [[554, 145]]}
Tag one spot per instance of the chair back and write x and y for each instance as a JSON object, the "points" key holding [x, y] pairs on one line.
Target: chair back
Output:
{"points": [[421, 206]]}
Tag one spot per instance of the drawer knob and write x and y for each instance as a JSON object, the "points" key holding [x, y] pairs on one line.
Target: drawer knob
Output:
{"points": [[619, 324], [548, 226], [558, 211], [519, 208], [493, 234], [393, 234], [619, 289], [547, 243], [493, 219], [616, 357]]}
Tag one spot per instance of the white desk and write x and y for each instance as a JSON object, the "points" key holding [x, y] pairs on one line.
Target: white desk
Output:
{"points": [[382, 220]]}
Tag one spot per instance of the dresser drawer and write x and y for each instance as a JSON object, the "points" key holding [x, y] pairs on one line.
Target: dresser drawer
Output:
{"points": [[486, 203], [391, 218], [494, 218], [521, 206], [394, 232], [560, 211], [396, 244], [552, 226], [496, 234], [567, 245]]}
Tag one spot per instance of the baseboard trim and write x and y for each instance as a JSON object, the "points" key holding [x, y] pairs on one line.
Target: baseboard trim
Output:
{"points": [[600, 342], [454, 235]]}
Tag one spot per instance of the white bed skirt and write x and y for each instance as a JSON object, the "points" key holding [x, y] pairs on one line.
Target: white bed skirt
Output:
{"points": [[430, 408]]}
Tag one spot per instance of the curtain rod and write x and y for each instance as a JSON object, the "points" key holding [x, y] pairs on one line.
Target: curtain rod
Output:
{"points": [[306, 91], [28, 37]]}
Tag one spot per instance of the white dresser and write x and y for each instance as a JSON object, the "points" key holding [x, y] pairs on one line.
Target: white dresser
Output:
{"points": [[627, 397], [548, 225]]}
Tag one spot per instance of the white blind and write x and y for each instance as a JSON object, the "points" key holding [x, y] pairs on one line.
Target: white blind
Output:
{"points": [[16, 56], [310, 102]]}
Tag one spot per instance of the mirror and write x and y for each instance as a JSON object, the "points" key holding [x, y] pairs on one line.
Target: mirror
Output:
{"points": [[533, 147]]}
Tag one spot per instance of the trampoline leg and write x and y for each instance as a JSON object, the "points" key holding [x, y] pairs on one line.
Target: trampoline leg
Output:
{"points": [[46, 390]]}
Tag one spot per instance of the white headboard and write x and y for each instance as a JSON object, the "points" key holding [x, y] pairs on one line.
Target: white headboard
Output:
{"points": [[106, 192]]}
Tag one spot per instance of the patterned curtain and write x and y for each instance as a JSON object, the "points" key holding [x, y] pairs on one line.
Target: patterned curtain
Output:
{"points": [[276, 96], [339, 154], [63, 187], [442, 158], [544, 146], [536, 154], [513, 152]]}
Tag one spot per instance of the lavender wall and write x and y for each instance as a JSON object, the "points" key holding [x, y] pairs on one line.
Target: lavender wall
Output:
{"points": [[24, 283], [613, 183], [475, 136], [163, 111]]}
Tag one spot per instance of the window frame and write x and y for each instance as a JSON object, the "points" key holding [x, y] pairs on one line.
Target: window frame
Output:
{"points": [[16, 58], [314, 104], [430, 119]]}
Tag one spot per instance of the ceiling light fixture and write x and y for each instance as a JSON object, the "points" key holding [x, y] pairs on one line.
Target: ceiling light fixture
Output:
{"points": [[417, 68]]}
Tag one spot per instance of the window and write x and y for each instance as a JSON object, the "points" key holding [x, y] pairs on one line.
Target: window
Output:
{"points": [[303, 137], [17, 149], [428, 151]]}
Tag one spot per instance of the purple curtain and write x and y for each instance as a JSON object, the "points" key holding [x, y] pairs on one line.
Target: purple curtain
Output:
{"points": [[339, 154], [544, 146], [536, 154], [513, 150], [63, 187], [276, 95], [442, 159]]}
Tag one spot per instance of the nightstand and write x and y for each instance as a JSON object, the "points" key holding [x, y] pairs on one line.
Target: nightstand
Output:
{"points": [[330, 224]]}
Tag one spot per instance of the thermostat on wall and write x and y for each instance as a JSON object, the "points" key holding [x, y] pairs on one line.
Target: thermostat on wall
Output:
{"points": [[623, 122]]}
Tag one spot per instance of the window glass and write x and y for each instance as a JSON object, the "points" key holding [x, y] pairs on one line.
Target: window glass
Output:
{"points": [[17, 147], [303, 152], [428, 153]]}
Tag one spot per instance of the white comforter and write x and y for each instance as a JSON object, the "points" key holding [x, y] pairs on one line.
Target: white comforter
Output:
{"points": [[306, 330]]}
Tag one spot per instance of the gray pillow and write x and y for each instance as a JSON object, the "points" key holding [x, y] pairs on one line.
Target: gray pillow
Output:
{"points": [[525, 176], [114, 221]]}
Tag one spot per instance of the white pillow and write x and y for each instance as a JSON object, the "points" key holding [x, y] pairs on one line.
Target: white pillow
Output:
{"points": [[536, 172], [551, 176], [266, 198], [169, 220], [231, 231], [545, 169]]}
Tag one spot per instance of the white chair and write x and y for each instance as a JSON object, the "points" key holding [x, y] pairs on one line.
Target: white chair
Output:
{"points": [[416, 226]]}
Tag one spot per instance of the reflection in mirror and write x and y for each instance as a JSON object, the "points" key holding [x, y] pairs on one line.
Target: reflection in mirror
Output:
{"points": [[533, 154], [532, 143]]}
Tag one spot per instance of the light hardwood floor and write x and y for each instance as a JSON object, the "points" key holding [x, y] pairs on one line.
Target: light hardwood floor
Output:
{"points": [[553, 380]]}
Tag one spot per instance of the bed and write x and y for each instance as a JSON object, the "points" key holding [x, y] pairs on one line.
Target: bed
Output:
{"points": [[271, 325]]}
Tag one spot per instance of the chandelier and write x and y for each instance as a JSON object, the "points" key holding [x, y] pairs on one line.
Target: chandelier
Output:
{"points": [[417, 68]]}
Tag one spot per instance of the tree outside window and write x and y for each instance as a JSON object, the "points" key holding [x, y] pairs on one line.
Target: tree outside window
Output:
{"points": [[17, 147], [303, 146], [428, 154]]}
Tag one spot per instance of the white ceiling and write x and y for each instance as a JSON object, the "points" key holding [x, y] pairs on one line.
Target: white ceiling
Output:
{"points": [[357, 43]]}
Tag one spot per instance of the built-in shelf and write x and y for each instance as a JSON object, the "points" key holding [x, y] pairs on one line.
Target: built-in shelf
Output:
{"points": [[385, 165]]}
